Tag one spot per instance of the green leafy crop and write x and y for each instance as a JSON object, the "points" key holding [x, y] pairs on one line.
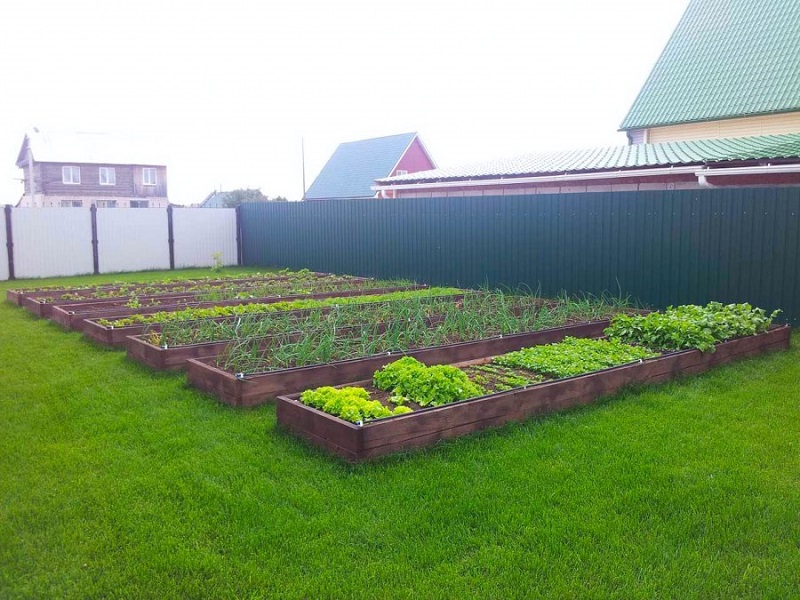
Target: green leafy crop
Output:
{"points": [[427, 386], [691, 326], [349, 403], [573, 356]]}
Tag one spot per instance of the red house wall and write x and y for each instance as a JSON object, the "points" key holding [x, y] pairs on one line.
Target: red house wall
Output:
{"points": [[415, 159]]}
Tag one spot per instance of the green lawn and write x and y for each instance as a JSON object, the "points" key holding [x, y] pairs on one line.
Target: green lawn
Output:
{"points": [[117, 482]]}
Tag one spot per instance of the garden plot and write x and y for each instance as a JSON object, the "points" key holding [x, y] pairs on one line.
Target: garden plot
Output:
{"points": [[247, 374], [114, 331], [41, 303], [126, 289], [170, 345], [74, 317], [408, 404]]}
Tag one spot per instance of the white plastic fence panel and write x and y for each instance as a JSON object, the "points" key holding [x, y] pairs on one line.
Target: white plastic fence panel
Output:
{"points": [[200, 233], [3, 248], [132, 239], [50, 242]]}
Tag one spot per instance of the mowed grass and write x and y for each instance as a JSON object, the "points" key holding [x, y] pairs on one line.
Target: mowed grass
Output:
{"points": [[117, 482]]}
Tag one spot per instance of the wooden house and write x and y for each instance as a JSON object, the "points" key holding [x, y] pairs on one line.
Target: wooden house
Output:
{"points": [[84, 169]]}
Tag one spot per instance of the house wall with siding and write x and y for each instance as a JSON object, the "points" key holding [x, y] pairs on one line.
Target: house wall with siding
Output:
{"points": [[414, 160], [679, 182], [746, 126], [51, 190]]}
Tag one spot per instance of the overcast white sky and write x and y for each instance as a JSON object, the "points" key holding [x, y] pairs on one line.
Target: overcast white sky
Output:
{"points": [[228, 89]]}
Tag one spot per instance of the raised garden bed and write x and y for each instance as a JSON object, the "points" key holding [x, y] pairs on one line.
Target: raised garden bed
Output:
{"points": [[263, 387], [174, 357], [284, 286], [116, 335], [70, 319], [126, 291], [426, 426]]}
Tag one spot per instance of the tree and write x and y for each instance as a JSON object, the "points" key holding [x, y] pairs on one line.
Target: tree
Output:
{"points": [[240, 196]]}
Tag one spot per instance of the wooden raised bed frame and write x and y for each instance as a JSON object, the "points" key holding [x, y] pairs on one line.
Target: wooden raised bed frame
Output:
{"points": [[43, 309], [263, 387], [175, 357], [427, 426], [77, 320]]}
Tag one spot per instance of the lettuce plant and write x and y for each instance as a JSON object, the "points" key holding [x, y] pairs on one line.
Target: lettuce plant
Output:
{"points": [[427, 386]]}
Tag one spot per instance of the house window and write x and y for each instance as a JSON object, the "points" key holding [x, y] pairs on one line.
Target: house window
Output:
{"points": [[106, 204], [108, 176], [71, 203], [140, 203], [401, 172], [149, 176], [71, 175]]}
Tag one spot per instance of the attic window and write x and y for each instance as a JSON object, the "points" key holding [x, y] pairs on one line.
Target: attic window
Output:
{"points": [[401, 172], [71, 175]]}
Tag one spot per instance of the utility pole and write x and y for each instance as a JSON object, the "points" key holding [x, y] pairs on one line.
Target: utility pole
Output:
{"points": [[303, 158]]}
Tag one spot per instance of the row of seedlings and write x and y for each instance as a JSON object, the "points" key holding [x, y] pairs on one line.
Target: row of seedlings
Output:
{"points": [[41, 302], [126, 288], [115, 331], [169, 345], [409, 404], [73, 317]]}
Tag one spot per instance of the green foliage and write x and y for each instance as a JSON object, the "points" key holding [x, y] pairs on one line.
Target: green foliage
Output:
{"points": [[246, 309], [691, 326], [349, 403], [218, 262], [236, 197], [573, 356], [427, 386]]}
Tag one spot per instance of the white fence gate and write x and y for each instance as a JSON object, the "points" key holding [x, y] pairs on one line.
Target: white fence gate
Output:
{"points": [[49, 242]]}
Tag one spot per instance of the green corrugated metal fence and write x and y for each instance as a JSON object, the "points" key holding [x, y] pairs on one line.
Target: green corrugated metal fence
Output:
{"points": [[661, 248]]}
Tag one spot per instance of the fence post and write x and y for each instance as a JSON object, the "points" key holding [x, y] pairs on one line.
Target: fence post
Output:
{"points": [[95, 250], [9, 243], [171, 238], [239, 257]]}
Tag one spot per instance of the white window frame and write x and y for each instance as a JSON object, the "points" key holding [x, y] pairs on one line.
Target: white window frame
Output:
{"points": [[106, 204], [147, 180], [110, 176], [140, 204], [401, 172], [72, 171], [71, 204]]}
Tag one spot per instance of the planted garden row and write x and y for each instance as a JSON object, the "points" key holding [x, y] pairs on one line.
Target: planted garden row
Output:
{"points": [[114, 331], [239, 389], [128, 289], [369, 418], [212, 338], [289, 287]]}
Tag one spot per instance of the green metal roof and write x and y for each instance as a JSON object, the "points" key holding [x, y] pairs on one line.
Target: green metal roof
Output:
{"points": [[725, 59], [762, 147], [353, 167]]}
